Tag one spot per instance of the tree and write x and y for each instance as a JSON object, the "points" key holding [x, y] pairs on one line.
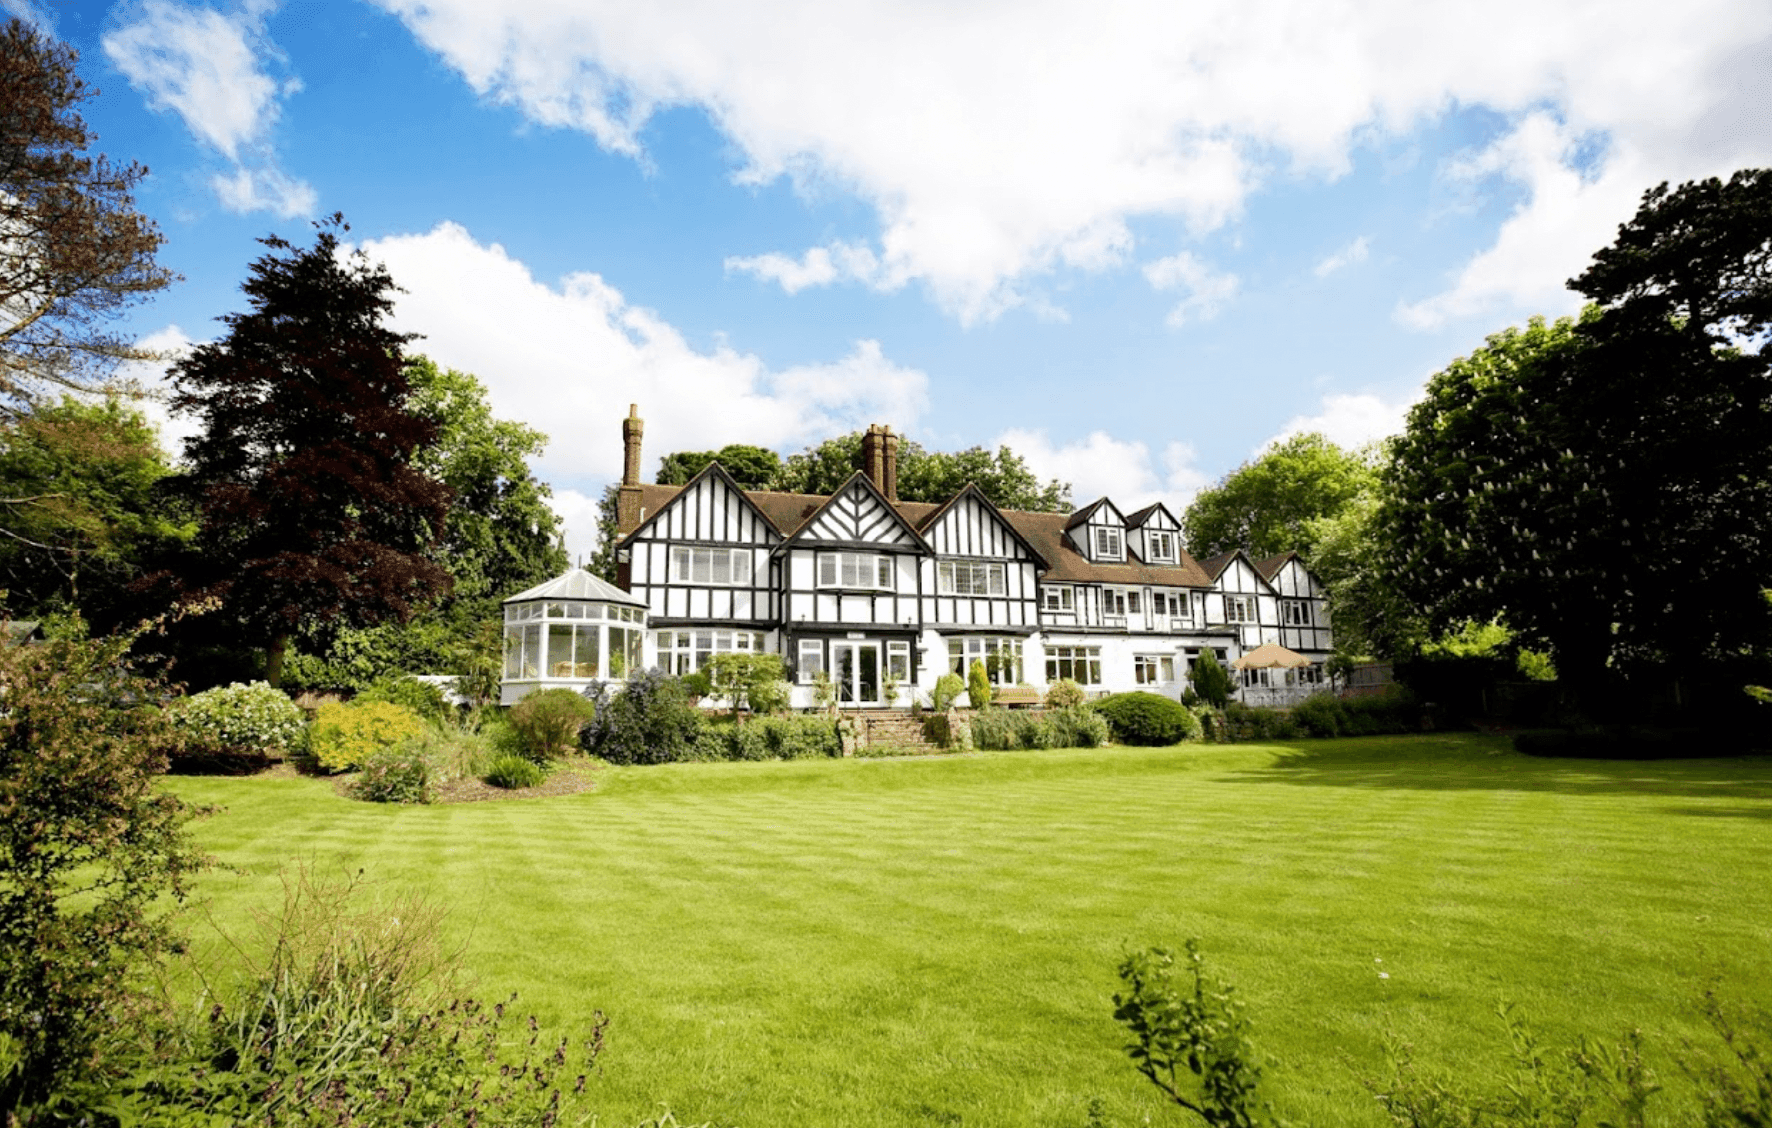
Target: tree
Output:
{"points": [[1003, 476], [1602, 488], [1210, 680], [1267, 504], [73, 249], [752, 467], [85, 509], [602, 563], [315, 510]]}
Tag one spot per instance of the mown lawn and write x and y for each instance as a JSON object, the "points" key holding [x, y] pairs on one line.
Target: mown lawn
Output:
{"points": [[933, 941]]}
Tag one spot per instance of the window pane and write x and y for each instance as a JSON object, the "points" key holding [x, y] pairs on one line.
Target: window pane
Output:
{"points": [[741, 567], [883, 573], [559, 652], [811, 658], [722, 567], [513, 652], [827, 569], [851, 570], [944, 577], [587, 656]]}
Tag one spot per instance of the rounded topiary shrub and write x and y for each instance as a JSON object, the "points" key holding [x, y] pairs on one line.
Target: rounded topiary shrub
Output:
{"points": [[346, 736], [253, 719], [1147, 719]]}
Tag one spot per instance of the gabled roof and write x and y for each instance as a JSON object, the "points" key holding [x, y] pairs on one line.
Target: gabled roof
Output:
{"points": [[577, 584], [971, 490], [1046, 532], [868, 484], [1270, 567], [1082, 515], [712, 469], [1134, 520], [1214, 566]]}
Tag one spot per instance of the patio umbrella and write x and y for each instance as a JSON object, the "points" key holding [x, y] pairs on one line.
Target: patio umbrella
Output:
{"points": [[1271, 657]]}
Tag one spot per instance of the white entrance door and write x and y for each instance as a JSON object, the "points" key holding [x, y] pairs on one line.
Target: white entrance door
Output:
{"points": [[855, 667]]}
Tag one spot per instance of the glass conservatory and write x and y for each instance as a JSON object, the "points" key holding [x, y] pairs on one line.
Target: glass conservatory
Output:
{"points": [[569, 632]]}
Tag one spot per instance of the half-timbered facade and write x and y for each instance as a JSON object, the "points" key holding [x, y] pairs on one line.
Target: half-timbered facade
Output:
{"points": [[884, 596]]}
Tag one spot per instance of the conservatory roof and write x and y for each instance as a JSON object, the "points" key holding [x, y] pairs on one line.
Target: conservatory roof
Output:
{"points": [[577, 584]]}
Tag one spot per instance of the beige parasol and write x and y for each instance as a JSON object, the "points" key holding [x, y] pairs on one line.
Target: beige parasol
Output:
{"points": [[1271, 657]]}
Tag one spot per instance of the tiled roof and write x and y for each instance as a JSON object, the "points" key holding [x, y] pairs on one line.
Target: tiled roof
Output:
{"points": [[1270, 567], [577, 584], [1217, 564]]}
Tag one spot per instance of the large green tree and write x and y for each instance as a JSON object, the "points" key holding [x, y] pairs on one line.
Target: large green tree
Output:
{"points": [[753, 467], [1604, 488], [1268, 504], [315, 512], [932, 476]]}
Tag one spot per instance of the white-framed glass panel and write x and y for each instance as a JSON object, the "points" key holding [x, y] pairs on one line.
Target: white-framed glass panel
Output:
{"points": [[1153, 669], [1107, 543], [684, 652], [1113, 602], [1239, 609], [964, 577], [898, 661], [1162, 546], [1001, 657], [1132, 602], [811, 659], [866, 570], [1295, 613], [1081, 664], [717, 567], [1057, 598]]}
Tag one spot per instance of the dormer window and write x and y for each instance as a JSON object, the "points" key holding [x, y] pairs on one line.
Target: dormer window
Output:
{"points": [[1107, 543], [1162, 547]]}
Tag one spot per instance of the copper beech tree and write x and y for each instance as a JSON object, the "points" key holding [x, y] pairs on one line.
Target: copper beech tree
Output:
{"points": [[313, 514], [73, 249]]}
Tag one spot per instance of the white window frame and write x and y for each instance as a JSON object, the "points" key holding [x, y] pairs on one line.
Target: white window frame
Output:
{"points": [[1295, 612], [971, 577], [1070, 661], [1153, 669], [880, 570], [1240, 609], [1113, 602], [962, 652], [1109, 545], [811, 655], [1162, 546], [682, 652], [1058, 597], [689, 560]]}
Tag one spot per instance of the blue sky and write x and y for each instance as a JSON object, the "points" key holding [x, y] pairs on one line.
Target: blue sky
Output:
{"points": [[1137, 241]]}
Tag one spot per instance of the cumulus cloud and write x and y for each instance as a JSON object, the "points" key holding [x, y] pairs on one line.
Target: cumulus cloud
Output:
{"points": [[819, 266], [1347, 420], [568, 358], [1354, 252], [146, 381], [209, 69], [1100, 465], [1204, 291], [998, 141]]}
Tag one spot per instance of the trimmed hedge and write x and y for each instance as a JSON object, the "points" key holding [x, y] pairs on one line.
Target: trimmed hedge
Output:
{"points": [[769, 738], [1147, 719], [1394, 711], [345, 736]]}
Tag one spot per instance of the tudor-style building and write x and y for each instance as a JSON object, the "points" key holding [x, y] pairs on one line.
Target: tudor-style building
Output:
{"points": [[885, 595]]}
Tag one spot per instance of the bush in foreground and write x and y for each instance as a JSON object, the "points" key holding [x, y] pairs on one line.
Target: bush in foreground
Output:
{"points": [[346, 736], [422, 698], [252, 719], [548, 721], [400, 774], [514, 773], [769, 738], [652, 719], [1147, 719]]}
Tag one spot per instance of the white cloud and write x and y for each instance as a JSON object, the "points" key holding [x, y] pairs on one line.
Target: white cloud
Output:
{"points": [[1204, 292], [997, 141], [148, 378], [1354, 252], [569, 358], [1100, 465], [819, 266], [577, 511], [1348, 421], [209, 69]]}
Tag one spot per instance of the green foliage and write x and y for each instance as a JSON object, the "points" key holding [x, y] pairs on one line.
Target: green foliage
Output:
{"points": [[650, 719], [1190, 1040], [602, 563], [401, 774], [770, 738], [978, 686], [1252, 722], [347, 1012], [1147, 719], [1064, 694], [244, 718], [514, 772], [1002, 476], [1078, 727], [1210, 680], [1000, 730], [92, 854], [344, 736], [547, 722], [1007, 730], [422, 698], [752, 467], [1268, 505], [749, 682], [947, 687]]}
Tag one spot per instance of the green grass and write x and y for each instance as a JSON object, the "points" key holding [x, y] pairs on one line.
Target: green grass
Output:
{"points": [[933, 941]]}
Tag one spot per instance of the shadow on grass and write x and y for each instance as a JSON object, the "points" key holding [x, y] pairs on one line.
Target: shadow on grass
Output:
{"points": [[1450, 763]]}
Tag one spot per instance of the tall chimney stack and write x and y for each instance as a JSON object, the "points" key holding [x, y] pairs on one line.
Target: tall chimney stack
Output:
{"points": [[627, 501], [879, 459]]}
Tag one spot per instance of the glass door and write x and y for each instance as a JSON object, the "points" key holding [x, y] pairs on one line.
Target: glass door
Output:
{"points": [[855, 667]]}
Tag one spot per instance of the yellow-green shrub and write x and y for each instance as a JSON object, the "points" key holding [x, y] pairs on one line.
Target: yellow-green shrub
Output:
{"points": [[344, 736]]}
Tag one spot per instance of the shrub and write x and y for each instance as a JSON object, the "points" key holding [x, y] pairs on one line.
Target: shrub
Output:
{"points": [[548, 722], [252, 719], [1320, 715], [1257, 723], [1078, 727], [1147, 719], [422, 698], [978, 686], [749, 682], [1210, 680], [652, 719], [769, 738], [947, 687], [996, 729], [514, 772], [92, 854], [1064, 694], [344, 736], [394, 775]]}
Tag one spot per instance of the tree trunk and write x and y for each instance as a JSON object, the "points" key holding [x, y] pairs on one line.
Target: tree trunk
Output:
{"points": [[274, 655]]}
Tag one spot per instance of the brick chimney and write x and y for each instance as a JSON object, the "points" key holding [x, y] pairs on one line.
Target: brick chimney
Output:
{"points": [[627, 501], [879, 459]]}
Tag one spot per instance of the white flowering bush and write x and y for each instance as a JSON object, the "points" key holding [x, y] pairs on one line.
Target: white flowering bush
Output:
{"points": [[251, 717]]}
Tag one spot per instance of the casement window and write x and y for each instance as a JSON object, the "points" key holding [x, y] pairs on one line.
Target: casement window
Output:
{"points": [[1295, 613], [1171, 604], [1081, 664], [1162, 546], [1113, 602], [718, 566], [811, 659], [1132, 602], [962, 577], [1001, 658], [856, 570], [1153, 669], [1239, 609], [1055, 597], [898, 661], [1107, 544], [684, 652]]}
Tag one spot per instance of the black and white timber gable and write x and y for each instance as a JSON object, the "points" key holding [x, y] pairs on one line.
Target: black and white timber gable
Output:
{"points": [[1243, 600], [1303, 605], [854, 563], [1155, 535], [1098, 531], [707, 556], [984, 573]]}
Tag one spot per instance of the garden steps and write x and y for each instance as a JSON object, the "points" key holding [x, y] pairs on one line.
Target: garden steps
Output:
{"points": [[895, 728]]}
